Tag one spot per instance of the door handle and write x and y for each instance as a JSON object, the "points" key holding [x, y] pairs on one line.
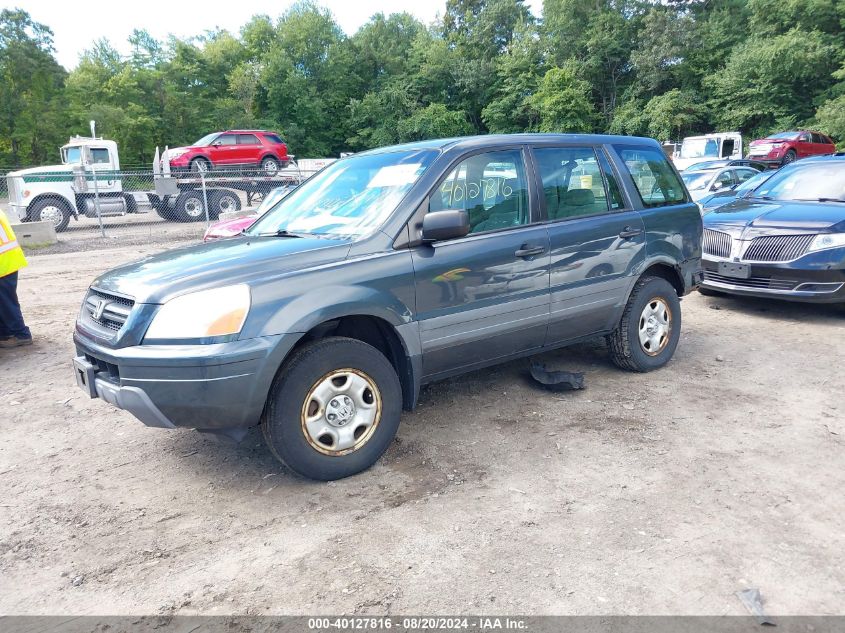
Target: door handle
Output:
{"points": [[530, 251], [629, 232]]}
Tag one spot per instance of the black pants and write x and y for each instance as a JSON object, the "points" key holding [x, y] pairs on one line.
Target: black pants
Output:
{"points": [[11, 319]]}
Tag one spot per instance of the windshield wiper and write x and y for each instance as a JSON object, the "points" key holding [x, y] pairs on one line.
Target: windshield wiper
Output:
{"points": [[819, 200], [282, 233]]}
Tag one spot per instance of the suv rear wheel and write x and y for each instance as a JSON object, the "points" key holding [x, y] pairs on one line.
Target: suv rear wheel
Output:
{"points": [[650, 327], [270, 165], [333, 410]]}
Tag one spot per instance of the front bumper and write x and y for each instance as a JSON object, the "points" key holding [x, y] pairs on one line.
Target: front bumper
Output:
{"points": [[18, 212], [771, 158], [216, 387], [780, 281]]}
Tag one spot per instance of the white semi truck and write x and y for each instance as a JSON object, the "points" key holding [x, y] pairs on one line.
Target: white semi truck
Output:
{"points": [[697, 149], [88, 183]]}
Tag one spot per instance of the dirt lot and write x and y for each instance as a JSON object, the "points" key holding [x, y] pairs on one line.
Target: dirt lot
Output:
{"points": [[644, 494]]}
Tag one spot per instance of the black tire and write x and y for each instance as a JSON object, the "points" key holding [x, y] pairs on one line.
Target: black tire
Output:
{"points": [[283, 421], [789, 157], [189, 206], [707, 292], [270, 165], [222, 201], [51, 210], [201, 165], [626, 350]]}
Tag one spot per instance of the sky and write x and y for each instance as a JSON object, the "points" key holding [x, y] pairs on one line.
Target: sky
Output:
{"points": [[76, 25]]}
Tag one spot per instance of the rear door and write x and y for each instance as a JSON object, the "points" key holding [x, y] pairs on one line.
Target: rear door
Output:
{"points": [[804, 145], [223, 150], [249, 149], [485, 296], [595, 236], [820, 144]]}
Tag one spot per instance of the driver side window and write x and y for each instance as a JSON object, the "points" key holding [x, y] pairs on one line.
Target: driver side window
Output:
{"points": [[490, 187], [724, 181]]}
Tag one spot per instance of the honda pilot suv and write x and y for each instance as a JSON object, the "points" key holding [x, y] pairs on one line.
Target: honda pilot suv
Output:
{"points": [[390, 269]]}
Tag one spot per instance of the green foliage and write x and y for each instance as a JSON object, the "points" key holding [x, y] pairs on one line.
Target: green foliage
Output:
{"points": [[648, 67], [562, 102]]}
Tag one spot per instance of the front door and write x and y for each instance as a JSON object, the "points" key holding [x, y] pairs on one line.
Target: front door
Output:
{"points": [[596, 240], [484, 296], [224, 150]]}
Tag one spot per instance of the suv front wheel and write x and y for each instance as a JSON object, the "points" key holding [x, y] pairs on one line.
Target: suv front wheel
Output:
{"points": [[650, 327], [334, 409]]}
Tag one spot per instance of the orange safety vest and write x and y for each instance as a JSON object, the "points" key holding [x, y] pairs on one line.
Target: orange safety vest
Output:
{"points": [[11, 254]]}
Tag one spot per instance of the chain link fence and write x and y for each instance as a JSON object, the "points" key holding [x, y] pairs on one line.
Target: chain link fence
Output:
{"points": [[93, 208]]}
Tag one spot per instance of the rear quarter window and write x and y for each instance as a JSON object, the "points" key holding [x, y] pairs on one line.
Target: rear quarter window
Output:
{"points": [[653, 176], [274, 138]]}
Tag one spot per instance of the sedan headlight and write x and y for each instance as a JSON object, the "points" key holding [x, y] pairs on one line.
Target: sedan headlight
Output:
{"points": [[827, 240], [201, 315]]}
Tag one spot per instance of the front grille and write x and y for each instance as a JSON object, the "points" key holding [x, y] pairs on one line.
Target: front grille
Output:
{"points": [[107, 310], [777, 248], [716, 243], [759, 283]]}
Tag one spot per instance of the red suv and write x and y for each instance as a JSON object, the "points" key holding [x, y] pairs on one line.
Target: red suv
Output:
{"points": [[231, 149], [785, 147]]}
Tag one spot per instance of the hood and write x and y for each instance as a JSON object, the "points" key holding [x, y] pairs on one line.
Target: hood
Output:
{"points": [[776, 214], [46, 169], [162, 276]]}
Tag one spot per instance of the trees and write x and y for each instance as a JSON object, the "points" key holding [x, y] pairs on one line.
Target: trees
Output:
{"points": [[661, 68], [31, 85]]}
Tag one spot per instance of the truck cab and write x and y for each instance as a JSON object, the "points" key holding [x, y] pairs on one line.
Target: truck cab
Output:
{"points": [[56, 193], [694, 149]]}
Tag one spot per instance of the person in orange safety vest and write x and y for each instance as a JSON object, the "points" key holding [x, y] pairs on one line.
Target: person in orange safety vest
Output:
{"points": [[13, 330]]}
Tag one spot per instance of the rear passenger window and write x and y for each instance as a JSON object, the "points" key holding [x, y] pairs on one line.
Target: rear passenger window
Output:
{"points": [[490, 187], [654, 178], [248, 139], [573, 185]]}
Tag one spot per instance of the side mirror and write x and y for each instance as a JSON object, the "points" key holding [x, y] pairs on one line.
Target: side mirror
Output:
{"points": [[444, 225]]}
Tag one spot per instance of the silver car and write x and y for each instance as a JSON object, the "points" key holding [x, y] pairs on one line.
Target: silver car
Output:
{"points": [[704, 182]]}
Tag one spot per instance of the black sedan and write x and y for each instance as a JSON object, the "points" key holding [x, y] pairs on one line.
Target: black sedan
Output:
{"points": [[785, 241]]}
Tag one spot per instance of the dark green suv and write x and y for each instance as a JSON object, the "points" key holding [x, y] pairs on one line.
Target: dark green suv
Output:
{"points": [[390, 269]]}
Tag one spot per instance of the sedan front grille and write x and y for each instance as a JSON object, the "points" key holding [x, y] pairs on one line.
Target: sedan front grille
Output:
{"points": [[759, 283], [107, 310], [777, 248], [716, 243]]}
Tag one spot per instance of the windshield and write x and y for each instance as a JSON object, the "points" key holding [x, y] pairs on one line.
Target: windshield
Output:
{"points": [[273, 198], [784, 135], [755, 181], [351, 197], [72, 155], [696, 179], [813, 181], [707, 164], [206, 140], [700, 148]]}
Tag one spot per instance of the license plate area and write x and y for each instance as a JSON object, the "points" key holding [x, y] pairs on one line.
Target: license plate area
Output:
{"points": [[735, 270], [85, 374]]}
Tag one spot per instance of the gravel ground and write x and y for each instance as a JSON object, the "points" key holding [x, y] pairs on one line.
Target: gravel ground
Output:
{"points": [[662, 493]]}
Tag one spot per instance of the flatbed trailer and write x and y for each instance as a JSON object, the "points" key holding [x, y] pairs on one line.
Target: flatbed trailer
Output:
{"points": [[89, 183]]}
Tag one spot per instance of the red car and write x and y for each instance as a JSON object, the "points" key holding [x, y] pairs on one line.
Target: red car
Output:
{"points": [[233, 149], [785, 147]]}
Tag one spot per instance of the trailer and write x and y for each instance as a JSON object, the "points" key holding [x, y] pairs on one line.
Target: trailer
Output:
{"points": [[89, 183]]}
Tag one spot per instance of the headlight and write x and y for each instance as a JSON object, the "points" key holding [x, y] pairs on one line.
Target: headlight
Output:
{"points": [[176, 153], [826, 240], [201, 315]]}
